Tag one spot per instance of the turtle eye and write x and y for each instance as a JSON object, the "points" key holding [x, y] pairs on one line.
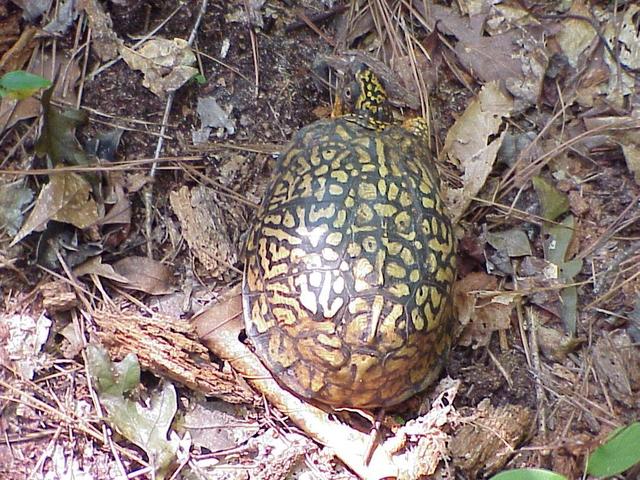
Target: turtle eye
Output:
{"points": [[347, 93]]}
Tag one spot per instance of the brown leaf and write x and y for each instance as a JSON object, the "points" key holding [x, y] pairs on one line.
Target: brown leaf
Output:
{"points": [[94, 266], [145, 274], [616, 362], [66, 198], [480, 317], [166, 64], [470, 144]]}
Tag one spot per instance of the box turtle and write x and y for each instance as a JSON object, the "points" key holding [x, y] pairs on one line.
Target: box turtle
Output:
{"points": [[351, 260]]}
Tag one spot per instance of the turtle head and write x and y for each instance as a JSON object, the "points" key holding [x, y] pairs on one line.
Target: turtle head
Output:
{"points": [[366, 98], [367, 93]]}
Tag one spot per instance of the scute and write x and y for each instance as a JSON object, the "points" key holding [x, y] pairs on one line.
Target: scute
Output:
{"points": [[349, 266]]}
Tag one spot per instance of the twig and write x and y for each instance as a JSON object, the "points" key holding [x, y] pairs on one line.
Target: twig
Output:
{"points": [[314, 18], [303, 16], [541, 399]]}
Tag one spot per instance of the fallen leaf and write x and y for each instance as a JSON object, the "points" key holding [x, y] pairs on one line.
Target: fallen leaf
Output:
{"points": [[61, 241], [146, 426], [611, 354], [470, 143], [556, 248], [218, 425], [57, 139], [26, 336], [623, 37], [73, 341], [556, 345], [513, 241], [631, 153], [33, 8], [94, 266], [105, 144], [514, 54], [65, 14], [480, 317], [14, 197], [575, 34], [554, 203], [120, 212], [66, 198], [145, 274], [213, 115], [166, 64]]}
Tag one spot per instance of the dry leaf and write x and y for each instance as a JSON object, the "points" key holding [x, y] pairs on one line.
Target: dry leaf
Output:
{"points": [[632, 158], [575, 34], [470, 144], [613, 358], [145, 274], [66, 198], [166, 64], [480, 317], [219, 425], [94, 266], [623, 37], [14, 197], [23, 341]]}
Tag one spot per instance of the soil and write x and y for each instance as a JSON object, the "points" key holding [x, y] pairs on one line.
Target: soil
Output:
{"points": [[287, 96]]}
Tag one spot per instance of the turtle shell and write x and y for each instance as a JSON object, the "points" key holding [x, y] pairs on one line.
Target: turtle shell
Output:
{"points": [[350, 265]]}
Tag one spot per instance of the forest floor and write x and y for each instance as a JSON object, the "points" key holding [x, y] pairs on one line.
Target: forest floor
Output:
{"points": [[127, 189]]}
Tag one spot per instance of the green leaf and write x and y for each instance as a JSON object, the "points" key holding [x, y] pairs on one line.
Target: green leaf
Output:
{"points": [[147, 427], [619, 453], [112, 378], [127, 372], [20, 84], [569, 309], [556, 250], [554, 203], [561, 236], [528, 474]]}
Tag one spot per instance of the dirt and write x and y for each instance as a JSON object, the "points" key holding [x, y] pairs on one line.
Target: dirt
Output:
{"points": [[288, 96]]}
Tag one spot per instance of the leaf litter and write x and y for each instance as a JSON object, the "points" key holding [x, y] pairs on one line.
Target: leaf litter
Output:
{"points": [[540, 165]]}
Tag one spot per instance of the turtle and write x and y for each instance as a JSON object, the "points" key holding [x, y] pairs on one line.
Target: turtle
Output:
{"points": [[350, 262]]}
